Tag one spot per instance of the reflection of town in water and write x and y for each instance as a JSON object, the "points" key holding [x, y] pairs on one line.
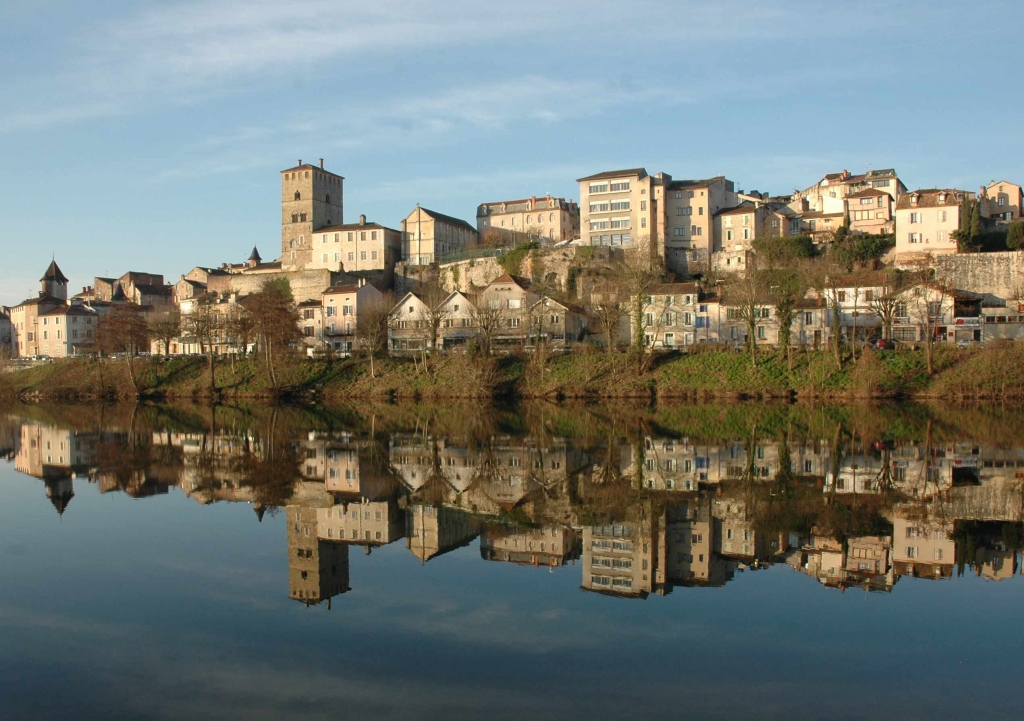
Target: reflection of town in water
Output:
{"points": [[637, 503]]}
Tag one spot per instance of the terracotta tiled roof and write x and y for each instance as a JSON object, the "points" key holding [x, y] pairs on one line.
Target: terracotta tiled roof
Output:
{"points": [[338, 289], [631, 172], [357, 226], [451, 220], [745, 207], [866, 193], [929, 198]]}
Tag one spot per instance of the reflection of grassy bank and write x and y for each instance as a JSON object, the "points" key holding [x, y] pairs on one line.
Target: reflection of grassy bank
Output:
{"points": [[994, 372]]}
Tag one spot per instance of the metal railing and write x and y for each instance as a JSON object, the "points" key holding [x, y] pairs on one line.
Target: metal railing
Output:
{"points": [[472, 255]]}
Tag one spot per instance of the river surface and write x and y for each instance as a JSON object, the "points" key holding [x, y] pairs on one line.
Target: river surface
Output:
{"points": [[415, 562]]}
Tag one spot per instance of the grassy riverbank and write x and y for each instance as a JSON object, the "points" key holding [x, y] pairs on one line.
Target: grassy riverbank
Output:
{"points": [[984, 373]]}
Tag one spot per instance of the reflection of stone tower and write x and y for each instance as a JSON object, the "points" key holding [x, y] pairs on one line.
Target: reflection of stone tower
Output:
{"points": [[53, 283], [317, 570], [311, 199], [60, 492]]}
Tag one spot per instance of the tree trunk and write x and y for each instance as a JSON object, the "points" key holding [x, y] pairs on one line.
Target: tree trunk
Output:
{"points": [[210, 364]]}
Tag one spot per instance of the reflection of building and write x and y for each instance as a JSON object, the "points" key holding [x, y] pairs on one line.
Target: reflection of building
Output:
{"points": [[617, 560], [434, 530], [545, 546], [367, 523], [50, 452], [317, 569], [994, 564], [922, 546]]}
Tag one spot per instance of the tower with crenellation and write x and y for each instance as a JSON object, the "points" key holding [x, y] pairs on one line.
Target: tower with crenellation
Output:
{"points": [[311, 198]]}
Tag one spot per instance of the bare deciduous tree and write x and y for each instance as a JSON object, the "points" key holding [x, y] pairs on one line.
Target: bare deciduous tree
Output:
{"points": [[124, 330], [165, 326], [372, 324]]}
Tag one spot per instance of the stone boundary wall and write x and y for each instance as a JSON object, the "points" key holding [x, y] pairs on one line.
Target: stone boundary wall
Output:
{"points": [[995, 275]]}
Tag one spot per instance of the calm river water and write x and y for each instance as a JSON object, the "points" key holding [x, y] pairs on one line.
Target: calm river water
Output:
{"points": [[416, 562]]}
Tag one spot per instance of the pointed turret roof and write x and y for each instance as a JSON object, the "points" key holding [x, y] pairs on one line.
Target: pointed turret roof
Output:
{"points": [[255, 255], [53, 273], [118, 294]]}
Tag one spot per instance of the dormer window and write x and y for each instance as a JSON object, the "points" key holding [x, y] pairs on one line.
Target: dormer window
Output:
{"points": [[914, 198], [942, 197]]}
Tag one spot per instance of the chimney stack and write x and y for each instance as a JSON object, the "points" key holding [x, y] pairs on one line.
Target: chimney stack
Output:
{"points": [[362, 220], [300, 161], [321, 163]]}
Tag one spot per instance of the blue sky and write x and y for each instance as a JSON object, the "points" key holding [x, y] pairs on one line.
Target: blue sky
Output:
{"points": [[149, 135]]}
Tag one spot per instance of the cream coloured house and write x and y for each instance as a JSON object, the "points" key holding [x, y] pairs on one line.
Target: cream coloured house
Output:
{"points": [[926, 221], [546, 218], [340, 306], [354, 247], [617, 207], [427, 236], [1002, 200], [688, 220], [870, 211]]}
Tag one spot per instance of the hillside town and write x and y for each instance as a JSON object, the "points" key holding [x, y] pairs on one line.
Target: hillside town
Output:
{"points": [[643, 261]]}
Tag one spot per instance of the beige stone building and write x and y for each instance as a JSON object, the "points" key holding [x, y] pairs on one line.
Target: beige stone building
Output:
{"points": [[1001, 200], [311, 200], [618, 207], [49, 325], [354, 247], [870, 211], [427, 236], [340, 313], [690, 208], [828, 194], [544, 219], [736, 228], [923, 547], [925, 223]]}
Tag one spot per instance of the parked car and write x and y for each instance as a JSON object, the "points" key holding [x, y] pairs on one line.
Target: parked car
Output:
{"points": [[884, 344]]}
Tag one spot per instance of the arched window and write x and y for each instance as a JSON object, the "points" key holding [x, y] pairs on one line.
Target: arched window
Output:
{"points": [[298, 195], [328, 198], [292, 244]]}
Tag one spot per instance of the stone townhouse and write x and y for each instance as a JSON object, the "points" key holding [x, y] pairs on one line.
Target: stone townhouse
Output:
{"points": [[512, 300], [357, 247], [736, 228], [871, 211], [556, 323], [458, 324], [1002, 201], [922, 547], [543, 219], [427, 236], [688, 221], [409, 327], [672, 316], [49, 325], [618, 207], [340, 307], [828, 194], [855, 297], [926, 221]]}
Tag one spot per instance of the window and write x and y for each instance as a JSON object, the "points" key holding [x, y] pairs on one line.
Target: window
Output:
{"points": [[643, 222], [842, 296], [728, 235], [351, 256], [746, 232], [362, 255], [913, 237], [915, 217], [867, 201], [373, 255], [643, 205], [942, 216], [598, 187], [696, 230], [620, 187]]}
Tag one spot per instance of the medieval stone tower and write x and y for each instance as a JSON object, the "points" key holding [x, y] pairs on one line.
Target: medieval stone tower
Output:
{"points": [[311, 199]]}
